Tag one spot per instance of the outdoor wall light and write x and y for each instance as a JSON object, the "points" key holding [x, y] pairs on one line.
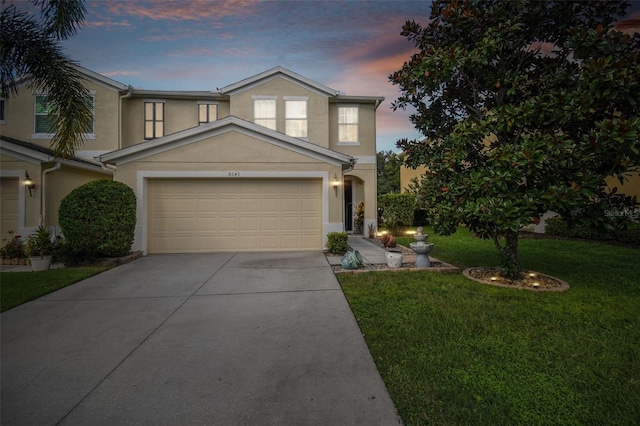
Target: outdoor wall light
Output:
{"points": [[28, 183], [336, 182]]}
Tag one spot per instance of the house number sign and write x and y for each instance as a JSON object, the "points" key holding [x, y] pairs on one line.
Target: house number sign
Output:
{"points": [[233, 174]]}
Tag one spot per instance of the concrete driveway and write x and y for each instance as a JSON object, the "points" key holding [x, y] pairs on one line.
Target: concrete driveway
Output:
{"points": [[207, 339]]}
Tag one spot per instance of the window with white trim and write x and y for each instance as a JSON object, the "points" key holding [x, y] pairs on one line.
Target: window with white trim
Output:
{"points": [[153, 119], [348, 125], [296, 117], [45, 118], [264, 112], [207, 113]]}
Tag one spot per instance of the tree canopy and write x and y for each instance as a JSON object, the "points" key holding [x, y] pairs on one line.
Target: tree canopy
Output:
{"points": [[31, 53], [527, 106], [388, 165]]}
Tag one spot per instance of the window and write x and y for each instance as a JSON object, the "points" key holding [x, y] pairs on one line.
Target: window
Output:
{"points": [[264, 112], [296, 118], [153, 119], [207, 113], [1, 111], [348, 125], [45, 118]]}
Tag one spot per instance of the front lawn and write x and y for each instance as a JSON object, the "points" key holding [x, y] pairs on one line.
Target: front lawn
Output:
{"points": [[456, 352], [17, 288]]}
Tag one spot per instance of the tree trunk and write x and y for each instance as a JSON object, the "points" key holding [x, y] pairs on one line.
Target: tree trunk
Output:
{"points": [[509, 253]]}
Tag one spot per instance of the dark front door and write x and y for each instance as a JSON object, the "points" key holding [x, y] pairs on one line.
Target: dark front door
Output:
{"points": [[349, 208]]}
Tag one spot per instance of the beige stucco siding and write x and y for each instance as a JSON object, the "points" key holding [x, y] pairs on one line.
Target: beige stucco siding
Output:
{"points": [[59, 184], [20, 118], [629, 187], [406, 174], [317, 107], [366, 131], [179, 114]]}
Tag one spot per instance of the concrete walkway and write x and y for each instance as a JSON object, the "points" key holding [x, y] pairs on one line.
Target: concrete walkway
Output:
{"points": [[215, 339]]}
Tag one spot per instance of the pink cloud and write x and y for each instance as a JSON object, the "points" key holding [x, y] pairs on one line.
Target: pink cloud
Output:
{"points": [[183, 10]]}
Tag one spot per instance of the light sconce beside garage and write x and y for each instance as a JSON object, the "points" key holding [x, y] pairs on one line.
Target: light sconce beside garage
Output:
{"points": [[28, 183], [336, 183]]}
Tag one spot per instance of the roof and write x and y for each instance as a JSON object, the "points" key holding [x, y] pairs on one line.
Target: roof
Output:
{"points": [[276, 72], [231, 123], [37, 154]]}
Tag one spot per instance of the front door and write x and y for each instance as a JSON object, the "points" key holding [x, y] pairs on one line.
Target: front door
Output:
{"points": [[349, 208]]}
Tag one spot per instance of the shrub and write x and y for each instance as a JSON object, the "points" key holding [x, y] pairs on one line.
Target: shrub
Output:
{"points": [[98, 220], [556, 226], [337, 242], [397, 210]]}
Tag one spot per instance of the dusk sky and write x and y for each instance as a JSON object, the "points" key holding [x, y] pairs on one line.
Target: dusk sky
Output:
{"points": [[349, 45]]}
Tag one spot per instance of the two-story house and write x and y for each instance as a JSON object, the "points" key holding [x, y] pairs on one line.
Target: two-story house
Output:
{"points": [[273, 162]]}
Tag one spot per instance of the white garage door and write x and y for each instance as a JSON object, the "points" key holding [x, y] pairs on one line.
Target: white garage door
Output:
{"points": [[8, 207], [204, 215]]}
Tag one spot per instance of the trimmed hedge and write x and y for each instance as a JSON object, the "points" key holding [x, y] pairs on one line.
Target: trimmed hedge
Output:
{"points": [[557, 227], [98, 219], [338, 242], [397, 210]]}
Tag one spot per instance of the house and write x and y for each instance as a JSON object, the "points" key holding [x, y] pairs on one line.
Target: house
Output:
{"points": [[273, 162]]}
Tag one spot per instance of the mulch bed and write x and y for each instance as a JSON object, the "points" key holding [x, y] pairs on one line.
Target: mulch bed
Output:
{"points": [[534, 281]]}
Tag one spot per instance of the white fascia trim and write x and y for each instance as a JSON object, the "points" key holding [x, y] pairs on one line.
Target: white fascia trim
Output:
{"points": [[21, 175], [309, 84], [143, 176], [25, 154]]}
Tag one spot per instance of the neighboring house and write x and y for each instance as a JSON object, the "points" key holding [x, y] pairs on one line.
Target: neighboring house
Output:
{"points": [[272, 162], [630, 187]]}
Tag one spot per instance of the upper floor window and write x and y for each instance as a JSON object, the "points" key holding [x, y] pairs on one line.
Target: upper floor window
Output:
{"points": [[264, 111], [296, 117], [45, 117], [348, 125], [153, 119], [2, 104], [207, 113]]}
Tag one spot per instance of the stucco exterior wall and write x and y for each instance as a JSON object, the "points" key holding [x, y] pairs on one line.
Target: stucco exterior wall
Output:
{"points": [[366, 130], [630, 187], [317, 107], [20, 118], [59, 184], [406, 174]]}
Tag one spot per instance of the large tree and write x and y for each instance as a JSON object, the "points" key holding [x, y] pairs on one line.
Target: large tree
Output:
{"points": [[31, 53], [388, 165], [527, 107]]}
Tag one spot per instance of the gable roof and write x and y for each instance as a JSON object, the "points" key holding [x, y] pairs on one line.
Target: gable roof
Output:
{"points": [[228, 124], [276, 72], [37, 154]]}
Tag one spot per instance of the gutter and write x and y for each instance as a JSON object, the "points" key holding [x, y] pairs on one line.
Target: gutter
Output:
{"points": [[120, 116], [43, 192]]}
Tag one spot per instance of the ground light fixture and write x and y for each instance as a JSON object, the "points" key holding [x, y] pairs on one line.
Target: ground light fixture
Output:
{"points": [[28, 183]]}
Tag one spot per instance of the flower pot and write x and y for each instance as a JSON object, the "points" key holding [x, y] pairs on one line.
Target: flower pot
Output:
{"points": [[40, 263], [394, 259]]}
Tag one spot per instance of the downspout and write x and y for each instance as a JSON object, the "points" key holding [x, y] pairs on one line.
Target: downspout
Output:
{"points": [[120, 117], [43, 192]]}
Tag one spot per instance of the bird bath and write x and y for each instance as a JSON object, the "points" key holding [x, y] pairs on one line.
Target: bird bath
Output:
{"points": [[421, 249]]}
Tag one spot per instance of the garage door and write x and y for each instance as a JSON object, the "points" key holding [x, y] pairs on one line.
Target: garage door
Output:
{"points": [[8, 207], [204, 215]]}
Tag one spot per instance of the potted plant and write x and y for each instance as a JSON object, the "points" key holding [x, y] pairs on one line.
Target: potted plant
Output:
{"points": [[40, 249], [359, 218]]}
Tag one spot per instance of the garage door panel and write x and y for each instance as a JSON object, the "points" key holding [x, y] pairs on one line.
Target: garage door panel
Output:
{"points": [[200, 215]]}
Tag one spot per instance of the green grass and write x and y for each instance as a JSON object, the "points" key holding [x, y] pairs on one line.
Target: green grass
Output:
{"points": [[456, 352], [17, 288]]}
